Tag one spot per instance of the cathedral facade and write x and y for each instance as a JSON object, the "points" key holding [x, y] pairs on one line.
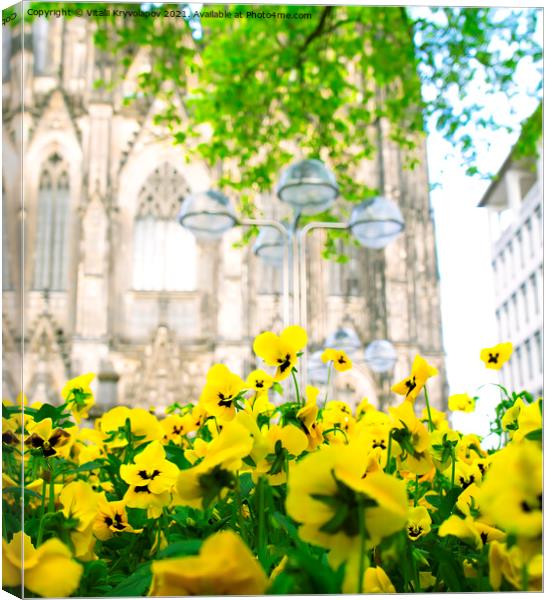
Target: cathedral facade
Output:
{"points": [[99, 276]]}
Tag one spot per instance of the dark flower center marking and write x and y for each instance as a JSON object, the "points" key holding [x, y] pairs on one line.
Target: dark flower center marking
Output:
{"points": [[259, 384], [493, 358], [380, 444], [138, 489], [144, 475], [118, 524], [410, 384], [177, 429], [9, 438], [414, 531], [465, 483], [528, 508], [484, 537], [341, 360], [224, 400], [284, 363]]}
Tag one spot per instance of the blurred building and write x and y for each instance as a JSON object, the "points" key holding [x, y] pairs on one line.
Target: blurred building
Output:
{"points": [[112, 284], [514, 201]]}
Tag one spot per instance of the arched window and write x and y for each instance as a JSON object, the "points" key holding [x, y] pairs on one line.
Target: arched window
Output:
{"points": [[165, 255], [50, 259], [40, 28]]}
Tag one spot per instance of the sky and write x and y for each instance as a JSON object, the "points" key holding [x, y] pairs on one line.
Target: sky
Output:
{"points": [[464, 249]]}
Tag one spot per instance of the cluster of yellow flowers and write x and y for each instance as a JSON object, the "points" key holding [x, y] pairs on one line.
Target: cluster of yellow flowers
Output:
{"points": [[380, 501]]}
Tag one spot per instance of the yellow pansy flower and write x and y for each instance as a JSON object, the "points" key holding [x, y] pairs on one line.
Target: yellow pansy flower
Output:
{"points": [[142, 424], [339, 359], [174, 427], [48, 571], [438, 419], [511, 564], [285, 443], [376, 581], [328, 488], [474, 533], [529, 419], [413, 439], [281, 351], [51, 441], [198, 486], [308, 414], [496, 356], [419, 522], [337, 416], [111, 518], [78, 395], [363, 407], [461, 402], [225, 566], [511, 494], [412, 385], [151, 479], [80, 502], [220, 392], [259, 381]]}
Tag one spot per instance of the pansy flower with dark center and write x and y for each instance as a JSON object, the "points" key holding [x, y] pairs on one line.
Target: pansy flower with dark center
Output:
{"points": [[221, 392], [419, 523], [151, 479], [43, 437], [112, 518], [496, 356], [338, 358], [281, 351], [259, 381], [412, 385]]}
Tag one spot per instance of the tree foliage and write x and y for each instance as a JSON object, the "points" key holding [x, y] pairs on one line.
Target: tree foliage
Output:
{"points": [[255, 89]]}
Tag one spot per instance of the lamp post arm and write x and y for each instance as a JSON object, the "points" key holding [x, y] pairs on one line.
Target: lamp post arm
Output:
{"points": [[285, 260], [303, 282]]}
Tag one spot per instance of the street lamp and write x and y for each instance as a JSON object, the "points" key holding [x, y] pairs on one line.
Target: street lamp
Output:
{"points": [[380, 356], [376, 222], [308, 186], [208, 215]]}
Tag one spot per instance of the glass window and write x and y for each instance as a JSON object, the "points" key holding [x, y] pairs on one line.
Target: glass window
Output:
{"points": [[40, 45], [534, 286], [164, 254], [529, 235], [520, 249], [529, 359], [525, 302], [539, 350], [50, 258]]}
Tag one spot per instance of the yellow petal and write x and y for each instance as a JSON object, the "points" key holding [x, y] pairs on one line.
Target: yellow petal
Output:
{"points": [[294, 336]]}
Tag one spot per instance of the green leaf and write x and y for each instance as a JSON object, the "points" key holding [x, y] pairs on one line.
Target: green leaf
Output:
{"points": [[135, 584]]}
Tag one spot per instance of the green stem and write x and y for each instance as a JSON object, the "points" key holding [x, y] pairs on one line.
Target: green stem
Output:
{"points": [[238, 502], [453, 468], [296, 386], [261, 537], [361, 556], [431, 426], [416, 493], [389, 448], [51, 504], [330, 365]]}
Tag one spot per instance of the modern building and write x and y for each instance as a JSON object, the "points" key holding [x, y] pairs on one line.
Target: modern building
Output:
{"points": [[110, 283], [514, 200]]}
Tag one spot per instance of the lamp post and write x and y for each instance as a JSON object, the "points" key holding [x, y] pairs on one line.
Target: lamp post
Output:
{"points": [[309, 188]]}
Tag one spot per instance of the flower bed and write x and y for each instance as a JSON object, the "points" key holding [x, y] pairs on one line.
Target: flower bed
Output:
{"points": [[242, 494]]}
